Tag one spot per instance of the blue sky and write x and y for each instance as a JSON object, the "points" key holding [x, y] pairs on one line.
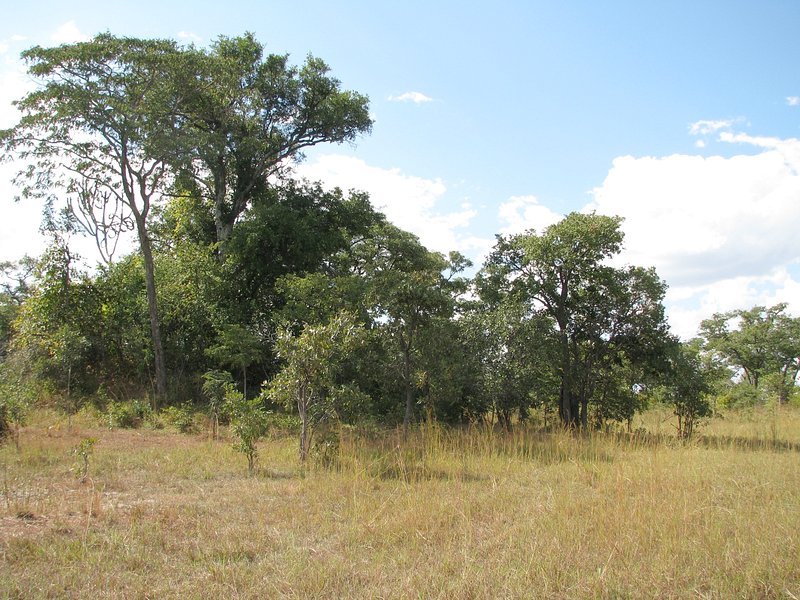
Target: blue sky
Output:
{"points": [[682, 117]]}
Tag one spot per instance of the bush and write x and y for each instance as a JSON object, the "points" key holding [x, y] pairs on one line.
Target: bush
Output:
{"points": [[284, 423], [739, 395], [325, 449], [248, 424], [128, 415], [180, 417]]}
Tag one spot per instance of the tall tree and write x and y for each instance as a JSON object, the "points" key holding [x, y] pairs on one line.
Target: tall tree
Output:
{"points": [[249, 114], [563, 273], [103, 127], [410, 287], [517, 352]]}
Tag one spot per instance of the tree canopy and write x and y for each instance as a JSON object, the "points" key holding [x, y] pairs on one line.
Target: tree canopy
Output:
{"points": [[247, 275]]}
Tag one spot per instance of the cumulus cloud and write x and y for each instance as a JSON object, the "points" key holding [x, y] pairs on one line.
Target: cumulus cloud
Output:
{"points": [[415, 97], [720, 231], [68, 33], [410, 202], [521, 213], [705, 127], [688, 306], [793, 100]]}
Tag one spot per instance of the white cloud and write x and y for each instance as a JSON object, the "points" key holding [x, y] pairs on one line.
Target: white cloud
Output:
{"points": [[793, 100], [415, 97], [789, 148], [688, 306], [706, 127], [720, 231], [521, 213], [68, 33], [189, 36], [412, 203]]}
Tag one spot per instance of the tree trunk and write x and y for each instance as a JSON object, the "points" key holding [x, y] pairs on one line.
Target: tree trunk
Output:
{"points": [[584, 412], [302, 408], [152, 306], [566, 402], [224, 231], [409, 388]]}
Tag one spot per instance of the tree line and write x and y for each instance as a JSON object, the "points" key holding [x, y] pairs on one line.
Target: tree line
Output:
{"points": [[307, 300]]}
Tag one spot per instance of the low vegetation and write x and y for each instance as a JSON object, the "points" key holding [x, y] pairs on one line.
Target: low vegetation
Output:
{"points": [[440, 512]]}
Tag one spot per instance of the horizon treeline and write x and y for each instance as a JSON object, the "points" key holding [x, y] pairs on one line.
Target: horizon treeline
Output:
{"points": [[308, 300]]}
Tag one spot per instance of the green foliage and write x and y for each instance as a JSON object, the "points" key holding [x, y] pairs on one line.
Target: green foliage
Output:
{"points": [[58, 333], [349, 402], [284, 423], [516, 357], [13, 412], [603, 317], [236, 347], [258, 113], [762, 344], [180, 417], [128, 415], [249, 422], [688, 388], [215, 385], [325, 450], [84, 450], [308, 377], [738, 395]]}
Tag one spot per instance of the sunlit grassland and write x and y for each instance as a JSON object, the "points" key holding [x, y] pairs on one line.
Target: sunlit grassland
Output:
{"points": [[459, 513]]}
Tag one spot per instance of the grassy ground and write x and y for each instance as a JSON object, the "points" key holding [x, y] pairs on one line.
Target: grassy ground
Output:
{"points": [[444, 513]]}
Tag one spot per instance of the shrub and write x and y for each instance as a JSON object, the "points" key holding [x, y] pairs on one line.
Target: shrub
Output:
{"points": [[325, 450], [248, 424], [128, 415], [180, 417]]}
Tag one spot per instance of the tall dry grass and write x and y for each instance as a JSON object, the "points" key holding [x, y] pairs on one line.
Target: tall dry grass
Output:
{"points": [[458, 513]]}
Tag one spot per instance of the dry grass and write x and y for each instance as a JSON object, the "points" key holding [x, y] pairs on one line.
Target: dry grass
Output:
{"points": [[444, 513]]}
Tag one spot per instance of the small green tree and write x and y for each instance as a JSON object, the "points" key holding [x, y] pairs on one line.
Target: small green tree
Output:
{"points": [[688, 388], [238, 348], [84, 450], [67, 349], [248, 423], [308, 378]]}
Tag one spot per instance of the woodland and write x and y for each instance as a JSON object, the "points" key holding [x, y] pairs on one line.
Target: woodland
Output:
{"points": [[255, 298]]}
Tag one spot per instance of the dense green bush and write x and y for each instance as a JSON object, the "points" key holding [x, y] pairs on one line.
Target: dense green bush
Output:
{"points": [[180, 417], [128, 415]]}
